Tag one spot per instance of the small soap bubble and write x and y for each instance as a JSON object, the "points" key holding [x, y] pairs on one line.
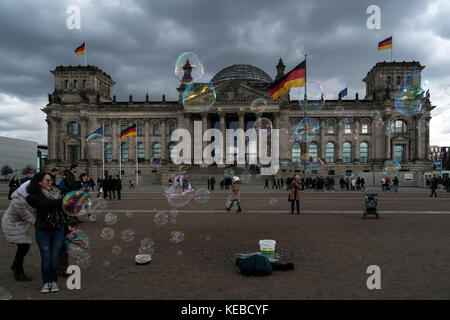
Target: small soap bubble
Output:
{"points": [[110, 218], [129, 214], [176, 236], [201, 196], [160, 218], [147, 246], [107, 234], [116, 250], [229, 172], [174, 213], [258, 105], [128, 235]]}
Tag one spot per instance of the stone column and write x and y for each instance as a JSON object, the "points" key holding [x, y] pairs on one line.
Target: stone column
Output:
{"points": [[322, 147], [427, 140], [163, 140], [373, 140], [61, 155], [51, 134], [241, 115], [223, 130], [83, 155], [412, 136], [147, 146], [356, 154], [115, 133], [339, 142], [388, 139]]}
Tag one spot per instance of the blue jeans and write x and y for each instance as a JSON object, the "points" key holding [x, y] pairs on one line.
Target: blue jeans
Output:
{"points": [[395, 188], [50, 243]]}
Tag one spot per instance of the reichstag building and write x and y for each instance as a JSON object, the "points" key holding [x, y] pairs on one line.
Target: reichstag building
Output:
{"points": [[83, 101]]}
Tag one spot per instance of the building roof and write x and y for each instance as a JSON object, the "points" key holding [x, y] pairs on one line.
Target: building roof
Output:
{"points": [[81, 68], [242, 72]]}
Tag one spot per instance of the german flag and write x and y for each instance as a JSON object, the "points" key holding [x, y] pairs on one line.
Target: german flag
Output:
{"points": [[385, 44], [81, 49], [295, 78], [128, 132]]}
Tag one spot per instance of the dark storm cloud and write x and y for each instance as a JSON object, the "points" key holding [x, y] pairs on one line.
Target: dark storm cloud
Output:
{"points": [[137, 42]]}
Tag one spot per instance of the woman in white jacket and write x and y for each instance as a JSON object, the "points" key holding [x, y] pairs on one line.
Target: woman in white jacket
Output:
{"points": [[16, 223]]}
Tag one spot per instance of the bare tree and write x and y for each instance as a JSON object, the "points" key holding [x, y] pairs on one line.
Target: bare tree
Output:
{"points": [[6, 170]]}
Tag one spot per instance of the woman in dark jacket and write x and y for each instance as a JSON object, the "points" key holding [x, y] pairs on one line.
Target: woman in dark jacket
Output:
{"points": [[49, 225], [294, 194], [14, 184]]}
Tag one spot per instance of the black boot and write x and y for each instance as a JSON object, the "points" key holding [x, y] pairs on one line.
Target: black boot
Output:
{"points": [[16, 271], [23, 277]]}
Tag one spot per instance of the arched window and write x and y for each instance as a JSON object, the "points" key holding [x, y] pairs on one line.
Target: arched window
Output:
{"points": [[73, 129], [66, 84], [313, 151], [364, 152], [296, 152], [108, 155], [347, 152], [388, 80], [124, 152], [75, 84], [329, 152], [399, 126], [141, 152], [398, 80], [173, 152], [156, 150]]}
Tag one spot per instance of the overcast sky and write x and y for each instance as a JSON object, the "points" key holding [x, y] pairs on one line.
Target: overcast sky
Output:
{"points": [[137, 42]]}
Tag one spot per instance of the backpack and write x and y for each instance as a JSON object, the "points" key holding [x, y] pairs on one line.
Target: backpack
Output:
{"points": [[62, 185], [254, 265]]}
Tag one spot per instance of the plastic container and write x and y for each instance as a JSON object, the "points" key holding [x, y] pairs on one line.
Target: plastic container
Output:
{"points": [[267, 247]]}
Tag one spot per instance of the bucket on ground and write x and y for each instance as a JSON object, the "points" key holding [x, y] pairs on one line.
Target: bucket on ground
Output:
{"points": [[267, 247]]}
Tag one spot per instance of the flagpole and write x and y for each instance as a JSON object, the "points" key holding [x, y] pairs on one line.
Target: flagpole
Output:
{"points": [[103, 165], [85, 53], [120, 159], [392, 45], [306, 121], [137, 165]]}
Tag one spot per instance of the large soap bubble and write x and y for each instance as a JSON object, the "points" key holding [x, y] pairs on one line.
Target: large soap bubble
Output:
{"points": [[315, 99], [305, 130], [410, 95], [77, 203], [180, 192], [193, 64], [391, 168], [199, 97]]}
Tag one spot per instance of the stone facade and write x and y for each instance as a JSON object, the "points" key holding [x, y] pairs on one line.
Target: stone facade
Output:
{"points": [[78, 109]]}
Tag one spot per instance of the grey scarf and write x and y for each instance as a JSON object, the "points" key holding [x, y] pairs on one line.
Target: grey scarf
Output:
{"points": [[52, 194]]}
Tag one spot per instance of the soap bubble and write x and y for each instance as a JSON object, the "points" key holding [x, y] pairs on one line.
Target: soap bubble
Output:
{"points": [[339, 110], [92, 216], [245, 177], [128, 235], [180, 192], [391, 168], [375, 113], [161, 218], [147, 246], [198, 97], [21, 225], [261, 124], [231, 200], [74, 251], [106, 263], [129, 214], [315, 99], [345, 121], [193, 62], [176, 236], [97, 203], [77, 203], [174, 213], [201, 196], [284, 162], [110, 218], [107, 234], [5, 294], [350, 137], [97, 142], [410, 95], [229, 173], [78, 238], [258, 105], [116, 250], [305, 130], [84, 260], [378, 122], [155, 162], [273, 201]]}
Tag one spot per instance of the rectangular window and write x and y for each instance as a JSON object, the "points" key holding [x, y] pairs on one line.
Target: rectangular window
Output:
{"points": [[75, 84], [108, 155], [330, 129], [141, 152], [73, 154], [329, 152], [364, 128], [155, 129], [140, 131], [399, 153], [84, 84], [107, 130], [348, 128], [66, 84], [123, 127]]}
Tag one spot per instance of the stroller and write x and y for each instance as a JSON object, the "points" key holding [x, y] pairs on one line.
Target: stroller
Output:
{"points": [[371, 204]]}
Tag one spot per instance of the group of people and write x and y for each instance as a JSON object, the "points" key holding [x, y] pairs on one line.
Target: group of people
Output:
{"points": [[110, 187], [277, 183], [442, 183], [38, 201]]}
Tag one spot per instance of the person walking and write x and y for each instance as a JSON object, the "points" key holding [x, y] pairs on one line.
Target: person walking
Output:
{"points": [[433, 186], [49, 226], [363, 184], [282, 183], [267, 184], [16, 223], [236, 195], [118, 182], [14, 184], [131, 184], [213, 182], [294, 194], [111, 188], [395, 182], [209, 183]]}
